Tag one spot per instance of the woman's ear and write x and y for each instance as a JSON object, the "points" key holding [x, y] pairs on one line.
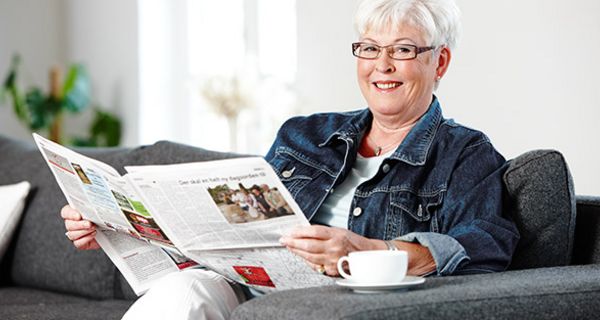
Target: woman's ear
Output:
{"points": [[443, 62]]}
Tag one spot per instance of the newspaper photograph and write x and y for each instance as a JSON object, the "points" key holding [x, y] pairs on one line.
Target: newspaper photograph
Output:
{"points": [[225, 204]]}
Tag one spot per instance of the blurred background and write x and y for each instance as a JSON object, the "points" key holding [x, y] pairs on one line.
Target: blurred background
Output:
{"points": [[224, 75]]}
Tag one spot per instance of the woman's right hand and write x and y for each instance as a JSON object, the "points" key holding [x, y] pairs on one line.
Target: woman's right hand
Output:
{"points": [[81, 232]]}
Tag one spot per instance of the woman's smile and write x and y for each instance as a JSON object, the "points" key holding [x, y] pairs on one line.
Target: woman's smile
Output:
{"points": [[387, 86]]}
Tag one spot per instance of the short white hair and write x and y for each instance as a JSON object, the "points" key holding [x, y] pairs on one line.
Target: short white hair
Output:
{"points": [[438, 19]]}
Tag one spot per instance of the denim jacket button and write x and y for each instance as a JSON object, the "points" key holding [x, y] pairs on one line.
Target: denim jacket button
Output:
{"points": [[288, 173], [386, 168], [357, 211]]}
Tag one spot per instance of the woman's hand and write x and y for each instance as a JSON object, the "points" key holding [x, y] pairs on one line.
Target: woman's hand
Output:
{"points": [[323, 246], [420, 260], [81, 232]]}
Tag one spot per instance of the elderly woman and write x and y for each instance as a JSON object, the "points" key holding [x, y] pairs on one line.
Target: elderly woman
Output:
{"points": [[397, 175]]}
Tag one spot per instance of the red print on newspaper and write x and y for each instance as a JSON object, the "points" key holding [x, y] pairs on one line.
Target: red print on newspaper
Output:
{"points": [[254, 276]]}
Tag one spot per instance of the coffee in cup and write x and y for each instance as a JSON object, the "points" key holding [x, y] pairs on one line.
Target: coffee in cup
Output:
{"points": [[375, 266]]}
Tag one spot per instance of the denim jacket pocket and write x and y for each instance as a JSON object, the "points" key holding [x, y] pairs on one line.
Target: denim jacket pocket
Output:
{"points": [[294, 169], [412, 212]]}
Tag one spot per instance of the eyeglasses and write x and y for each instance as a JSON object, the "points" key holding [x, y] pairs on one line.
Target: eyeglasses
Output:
{"points": [[395, 51]]}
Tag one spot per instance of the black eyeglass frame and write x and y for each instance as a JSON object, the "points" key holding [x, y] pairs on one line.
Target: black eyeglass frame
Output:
{"points": [[417, 51]]}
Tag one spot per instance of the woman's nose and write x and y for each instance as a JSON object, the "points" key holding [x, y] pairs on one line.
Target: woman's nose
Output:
{"points": [[385, 64]]}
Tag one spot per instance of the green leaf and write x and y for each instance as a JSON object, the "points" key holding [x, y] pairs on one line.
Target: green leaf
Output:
{"points": [[10, 79], [19, 106], [10, 87], [42, 109], [12, 74], [83, 142], [77, 89], [35, 103], [106, 129]]}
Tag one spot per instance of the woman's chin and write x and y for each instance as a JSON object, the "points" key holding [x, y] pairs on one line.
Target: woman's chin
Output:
{"points": [[387, 109]]}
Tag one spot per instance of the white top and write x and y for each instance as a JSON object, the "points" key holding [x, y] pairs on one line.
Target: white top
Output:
{"points": [[334, 211]]}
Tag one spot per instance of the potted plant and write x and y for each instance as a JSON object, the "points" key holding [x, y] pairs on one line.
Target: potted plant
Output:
{"points": [[45, 111]]}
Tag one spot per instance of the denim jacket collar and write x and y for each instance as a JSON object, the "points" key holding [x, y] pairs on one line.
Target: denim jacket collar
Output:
{"points": [[415, 147], [353, 129]]}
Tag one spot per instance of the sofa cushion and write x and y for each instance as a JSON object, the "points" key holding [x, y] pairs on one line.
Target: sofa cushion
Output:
{"points": [[40, 255], [542, 203], [24, 303], [569, 292]]}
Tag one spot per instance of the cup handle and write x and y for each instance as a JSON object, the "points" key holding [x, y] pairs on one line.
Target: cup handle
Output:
{"points": [[340, 267]]}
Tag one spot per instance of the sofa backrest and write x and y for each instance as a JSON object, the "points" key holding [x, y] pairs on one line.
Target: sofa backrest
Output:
{"points": [[541, 200], [40, 255]]}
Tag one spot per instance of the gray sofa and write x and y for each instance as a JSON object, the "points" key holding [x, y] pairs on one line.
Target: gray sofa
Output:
{"points": [[555, 273]]}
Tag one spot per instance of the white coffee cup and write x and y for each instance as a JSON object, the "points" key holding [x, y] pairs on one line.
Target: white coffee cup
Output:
{"points": [[375, 266]]}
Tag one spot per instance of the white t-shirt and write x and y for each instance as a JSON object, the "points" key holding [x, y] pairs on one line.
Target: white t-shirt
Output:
{"points": [[334, 211]]}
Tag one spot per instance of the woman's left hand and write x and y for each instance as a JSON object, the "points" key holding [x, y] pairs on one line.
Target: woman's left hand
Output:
{"points": [[323, 246]]}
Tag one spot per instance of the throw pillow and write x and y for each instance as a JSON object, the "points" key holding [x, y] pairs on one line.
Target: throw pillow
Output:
{"points": [[12, 202], [541, 200]]}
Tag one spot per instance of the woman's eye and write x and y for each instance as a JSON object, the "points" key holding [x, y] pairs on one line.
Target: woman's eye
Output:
{"points": [[402, 50], [370, 49]]}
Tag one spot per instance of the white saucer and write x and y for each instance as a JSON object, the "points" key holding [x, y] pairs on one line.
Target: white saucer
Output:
{"points": [[362, 287]]}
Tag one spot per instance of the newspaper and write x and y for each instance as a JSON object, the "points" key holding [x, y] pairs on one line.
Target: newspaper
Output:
{"points": [[226, 216]]}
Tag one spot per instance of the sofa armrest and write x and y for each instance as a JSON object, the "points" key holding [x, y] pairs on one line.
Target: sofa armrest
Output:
{"points": [[587, 231], [589, 201], [570, 292]]}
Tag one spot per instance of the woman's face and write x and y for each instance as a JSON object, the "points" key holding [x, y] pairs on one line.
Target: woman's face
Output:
{"points": [[398, 89]]}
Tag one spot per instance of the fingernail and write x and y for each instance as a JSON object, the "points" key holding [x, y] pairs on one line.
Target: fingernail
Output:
{"points": [[283, 240]]}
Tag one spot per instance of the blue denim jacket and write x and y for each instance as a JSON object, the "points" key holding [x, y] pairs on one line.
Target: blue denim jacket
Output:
{"points": [[441, 188]]}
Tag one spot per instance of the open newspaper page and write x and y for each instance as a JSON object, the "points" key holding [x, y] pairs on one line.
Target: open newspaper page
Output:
{"points": [[265, 269], [228, 215], [140, 262], [102, 196]]}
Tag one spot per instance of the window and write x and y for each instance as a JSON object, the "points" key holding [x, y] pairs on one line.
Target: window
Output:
{"points": [[277, 39], [187, 46]]}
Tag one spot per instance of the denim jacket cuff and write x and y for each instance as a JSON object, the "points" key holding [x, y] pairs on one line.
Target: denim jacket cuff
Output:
{"points": [[446, 251]]}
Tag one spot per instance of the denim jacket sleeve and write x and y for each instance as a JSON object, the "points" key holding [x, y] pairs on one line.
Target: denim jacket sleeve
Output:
{"points": [[475, 236]]}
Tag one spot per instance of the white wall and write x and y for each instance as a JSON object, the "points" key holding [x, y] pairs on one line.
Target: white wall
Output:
{"points": [[162, 61], [34, 29], [103, 35], [326, 77], [525, 72], [100, 34]]}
